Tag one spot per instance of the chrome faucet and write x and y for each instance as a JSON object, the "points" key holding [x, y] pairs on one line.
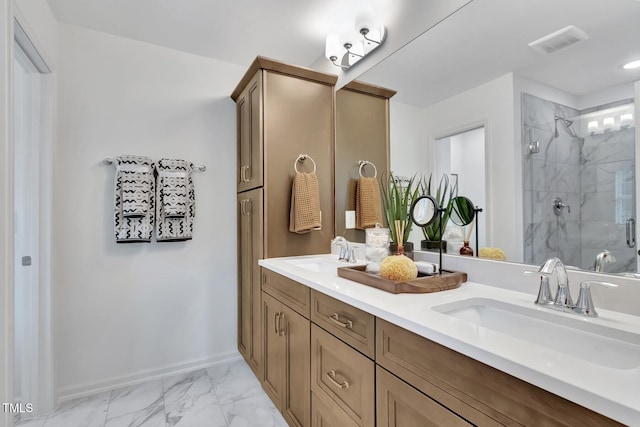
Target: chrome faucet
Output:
{"points": [[562, 300], [563, 294], [346, 251], [604, 257]]}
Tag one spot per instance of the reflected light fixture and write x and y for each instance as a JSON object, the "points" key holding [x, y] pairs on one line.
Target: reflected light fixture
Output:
{"points": [[345, 53], [631, 65]]}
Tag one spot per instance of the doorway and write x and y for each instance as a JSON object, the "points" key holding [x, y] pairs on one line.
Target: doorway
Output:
{"points": [[32, 140], [462, 157]]}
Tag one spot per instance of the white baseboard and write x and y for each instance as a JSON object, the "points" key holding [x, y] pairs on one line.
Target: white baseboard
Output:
{"points": [[91, 388]]}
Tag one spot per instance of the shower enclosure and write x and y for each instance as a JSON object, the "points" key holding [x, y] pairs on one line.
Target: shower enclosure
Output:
{"points": [[579, 183]]}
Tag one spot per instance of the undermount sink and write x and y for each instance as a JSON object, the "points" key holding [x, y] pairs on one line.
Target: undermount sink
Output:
{"points": [[605, 346], [318, 264]]}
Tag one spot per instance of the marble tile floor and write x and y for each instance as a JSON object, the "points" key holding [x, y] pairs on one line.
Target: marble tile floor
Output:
{"points": [[227, 395]]}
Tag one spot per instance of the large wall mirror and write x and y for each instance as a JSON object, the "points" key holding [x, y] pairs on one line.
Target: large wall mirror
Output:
{"points": [[558, 119]]}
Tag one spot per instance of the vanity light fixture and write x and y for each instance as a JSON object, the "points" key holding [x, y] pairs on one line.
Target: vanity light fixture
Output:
{"points": [[345, 53], [592, 127], [632, 65]]}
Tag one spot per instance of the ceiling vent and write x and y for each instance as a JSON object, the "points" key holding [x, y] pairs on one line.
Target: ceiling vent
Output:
{"points": [[561, 39]]}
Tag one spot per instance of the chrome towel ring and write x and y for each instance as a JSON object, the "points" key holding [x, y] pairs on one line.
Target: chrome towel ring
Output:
{"points": [[301, 158], [363, 163]]}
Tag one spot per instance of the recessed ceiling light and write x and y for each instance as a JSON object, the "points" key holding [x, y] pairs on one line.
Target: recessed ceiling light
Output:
{"points": [[631, 65]]}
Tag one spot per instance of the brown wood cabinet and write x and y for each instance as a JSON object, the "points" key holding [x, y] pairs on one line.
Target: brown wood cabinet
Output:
{"points": [[286, 361], [476, 392], [400, 405], [342, 376], [282, 111], [249, 291], [249, 124]]}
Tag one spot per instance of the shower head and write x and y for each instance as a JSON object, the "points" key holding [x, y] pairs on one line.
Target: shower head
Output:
{"points": [[566, 123]]}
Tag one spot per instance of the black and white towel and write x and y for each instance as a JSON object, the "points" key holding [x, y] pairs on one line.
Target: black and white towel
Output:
{"points": [[176, 198], [133, 199]]}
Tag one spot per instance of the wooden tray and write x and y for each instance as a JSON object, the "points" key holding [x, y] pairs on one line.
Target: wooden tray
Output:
{"points": [[423, 284]]}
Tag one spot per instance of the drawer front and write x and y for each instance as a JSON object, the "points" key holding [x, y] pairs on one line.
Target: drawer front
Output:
{"points": [[293, 294], [353, 326], [326, 414], [477, 392], [342, 375], [400, 405]]}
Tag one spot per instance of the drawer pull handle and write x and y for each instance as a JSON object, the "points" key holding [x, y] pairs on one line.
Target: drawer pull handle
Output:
{"points": [[243, 174], [280, 330], [276, 321], [332, 377], [335, 318]]}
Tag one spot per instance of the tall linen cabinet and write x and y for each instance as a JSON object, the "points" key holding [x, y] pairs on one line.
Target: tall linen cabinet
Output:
{"points": [[282, 111]]}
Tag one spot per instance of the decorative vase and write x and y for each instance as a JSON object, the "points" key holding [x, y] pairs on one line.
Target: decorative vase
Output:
{"points": [[466, 249], [407, 249], [433, 245]]}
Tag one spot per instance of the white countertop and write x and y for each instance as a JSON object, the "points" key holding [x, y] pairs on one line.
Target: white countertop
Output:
{"points": [[609, 391]]}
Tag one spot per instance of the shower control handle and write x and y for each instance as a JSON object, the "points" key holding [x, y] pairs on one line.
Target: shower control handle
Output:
{"points": [[559, 205], [631, 233]]}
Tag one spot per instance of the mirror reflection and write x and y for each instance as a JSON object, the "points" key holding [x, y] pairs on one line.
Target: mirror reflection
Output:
{"points": [[462, 211], [545, 83], [424, 210]]}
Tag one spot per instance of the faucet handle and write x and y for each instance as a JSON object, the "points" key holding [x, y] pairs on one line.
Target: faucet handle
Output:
{"points": [[544, 293], [584, 305]]}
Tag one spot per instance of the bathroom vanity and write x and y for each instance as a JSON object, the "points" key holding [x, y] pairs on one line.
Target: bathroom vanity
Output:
{"points": [[341, 353]]}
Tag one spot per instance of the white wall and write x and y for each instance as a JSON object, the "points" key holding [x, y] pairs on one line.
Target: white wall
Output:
{"points": [[491, 105], [125, 312]]}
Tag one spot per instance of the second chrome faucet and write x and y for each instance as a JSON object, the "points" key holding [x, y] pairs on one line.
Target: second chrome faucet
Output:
{"points": [[562, 300]]}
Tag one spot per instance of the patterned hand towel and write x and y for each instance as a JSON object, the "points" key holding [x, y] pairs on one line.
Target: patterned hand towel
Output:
{"points": [[304, 215], [133, 199], [368, 203], [176, 207]]}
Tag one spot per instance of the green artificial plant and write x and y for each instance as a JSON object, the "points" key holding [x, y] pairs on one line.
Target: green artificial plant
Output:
{"points": [[443, 195], [397, 196]]}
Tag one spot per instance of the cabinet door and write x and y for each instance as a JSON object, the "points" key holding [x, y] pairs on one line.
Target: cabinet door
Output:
{"points": [[249, 294], [400, 405], [296, 406], [250, 147], [273, 362]]}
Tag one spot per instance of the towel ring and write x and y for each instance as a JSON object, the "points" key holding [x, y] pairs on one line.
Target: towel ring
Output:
{"points": [[301, 158], [362, 165]]}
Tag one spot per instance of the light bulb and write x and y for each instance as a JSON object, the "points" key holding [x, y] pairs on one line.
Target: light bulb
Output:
{"points": [[592, 127], [332, 47], [608, 123], [626, 120]]}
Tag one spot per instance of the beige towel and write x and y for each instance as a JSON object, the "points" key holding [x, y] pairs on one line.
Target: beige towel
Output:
{"points": [[368, 203], [305, 204]]}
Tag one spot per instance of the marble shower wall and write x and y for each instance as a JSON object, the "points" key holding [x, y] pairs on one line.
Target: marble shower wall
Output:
{"points": [[594, 176], [608, 186], [552, 172]]}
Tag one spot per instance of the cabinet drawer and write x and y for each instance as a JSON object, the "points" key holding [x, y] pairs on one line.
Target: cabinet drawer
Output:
{"points": [[477, 392], [341, 375], [325, 414], [353, 326], [400, 405], [293, 294]]}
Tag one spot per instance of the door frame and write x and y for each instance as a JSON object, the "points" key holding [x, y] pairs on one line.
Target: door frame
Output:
{"points": [[16, 26]]}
